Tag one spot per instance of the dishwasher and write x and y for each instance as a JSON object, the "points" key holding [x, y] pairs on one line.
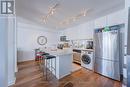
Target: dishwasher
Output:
{"points": [[77, 56]]}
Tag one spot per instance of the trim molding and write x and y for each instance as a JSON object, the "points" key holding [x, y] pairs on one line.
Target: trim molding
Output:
{"points": [[26, 61]]}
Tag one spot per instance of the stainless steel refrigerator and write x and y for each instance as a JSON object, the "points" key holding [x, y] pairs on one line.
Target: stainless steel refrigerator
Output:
{"points": [[107, 52]]}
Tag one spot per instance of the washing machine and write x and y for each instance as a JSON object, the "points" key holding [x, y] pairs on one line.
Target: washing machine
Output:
{"points": [[87, 59]]}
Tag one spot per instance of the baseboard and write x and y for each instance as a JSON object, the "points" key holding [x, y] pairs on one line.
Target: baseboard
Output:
{"points": [[12, 82], [26, 61]]}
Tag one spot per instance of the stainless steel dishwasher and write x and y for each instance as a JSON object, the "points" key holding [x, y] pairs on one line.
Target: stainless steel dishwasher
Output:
{"points": [[77, 56]]}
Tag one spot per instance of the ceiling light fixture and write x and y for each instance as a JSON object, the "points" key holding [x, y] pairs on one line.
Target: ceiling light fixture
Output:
{"points": [[83, 13], [51, 12]]}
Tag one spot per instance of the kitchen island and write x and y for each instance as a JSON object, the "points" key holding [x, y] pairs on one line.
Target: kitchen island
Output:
{"points": [[63, 62]]}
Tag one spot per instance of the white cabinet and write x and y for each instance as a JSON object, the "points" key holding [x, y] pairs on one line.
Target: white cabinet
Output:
{"points": [[100, 22], [85, 31], [116, 18], [110, 20]]}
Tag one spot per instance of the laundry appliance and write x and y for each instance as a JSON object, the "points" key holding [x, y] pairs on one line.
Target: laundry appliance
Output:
{"points": [[87, 59]]}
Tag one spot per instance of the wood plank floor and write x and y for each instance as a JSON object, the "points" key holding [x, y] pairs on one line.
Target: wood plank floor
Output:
{"points": [[30, 75]]}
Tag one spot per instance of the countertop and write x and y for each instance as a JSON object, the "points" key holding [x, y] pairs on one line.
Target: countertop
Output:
{"points": [[58, 52], [84, 49]]}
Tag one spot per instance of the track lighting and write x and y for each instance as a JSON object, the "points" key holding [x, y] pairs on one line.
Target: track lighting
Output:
{"points": [[51, 12]]}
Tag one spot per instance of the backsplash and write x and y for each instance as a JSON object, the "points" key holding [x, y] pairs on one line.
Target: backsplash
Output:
{"points": [[83, 44]]}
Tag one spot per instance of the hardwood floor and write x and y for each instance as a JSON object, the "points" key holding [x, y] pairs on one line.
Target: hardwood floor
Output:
{"points": [[30, 75]]}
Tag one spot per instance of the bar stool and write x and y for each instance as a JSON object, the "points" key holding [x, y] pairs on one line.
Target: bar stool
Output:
{"points": [[41, 63], [49, 65]]}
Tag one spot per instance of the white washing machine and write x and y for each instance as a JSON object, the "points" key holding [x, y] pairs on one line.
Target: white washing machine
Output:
{"points": [[87, 59]]}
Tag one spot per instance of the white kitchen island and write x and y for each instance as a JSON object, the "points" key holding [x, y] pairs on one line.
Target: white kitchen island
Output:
{"points": [[63, 62]]}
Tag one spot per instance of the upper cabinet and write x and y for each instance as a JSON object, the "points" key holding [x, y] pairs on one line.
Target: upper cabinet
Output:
{"points": [[116, 18], [100, 22], [110, 20], [85, 31]]}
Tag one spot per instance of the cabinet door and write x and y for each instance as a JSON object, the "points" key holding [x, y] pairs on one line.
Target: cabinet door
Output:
{"points": [[116, 18], [100, 22]]}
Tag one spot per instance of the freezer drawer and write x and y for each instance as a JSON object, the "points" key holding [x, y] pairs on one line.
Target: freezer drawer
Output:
{"points": [[107, 68]]}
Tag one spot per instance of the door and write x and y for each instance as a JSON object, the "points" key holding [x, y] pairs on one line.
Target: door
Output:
{"points": [[107, 45], [98, 38], [110, 45], [86, 59]]}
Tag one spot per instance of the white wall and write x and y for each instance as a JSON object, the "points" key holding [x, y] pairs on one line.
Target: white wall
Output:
{"points": [[83, 31], [27, 35]]}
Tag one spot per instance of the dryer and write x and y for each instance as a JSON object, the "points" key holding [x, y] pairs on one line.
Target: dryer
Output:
{"points": [[87, 59]]}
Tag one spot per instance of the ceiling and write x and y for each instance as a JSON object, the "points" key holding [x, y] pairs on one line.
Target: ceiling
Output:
{"points": [[34, 10]]}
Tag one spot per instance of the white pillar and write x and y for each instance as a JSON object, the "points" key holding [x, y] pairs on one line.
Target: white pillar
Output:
{"points": [[3, 52], [11, 51]]}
